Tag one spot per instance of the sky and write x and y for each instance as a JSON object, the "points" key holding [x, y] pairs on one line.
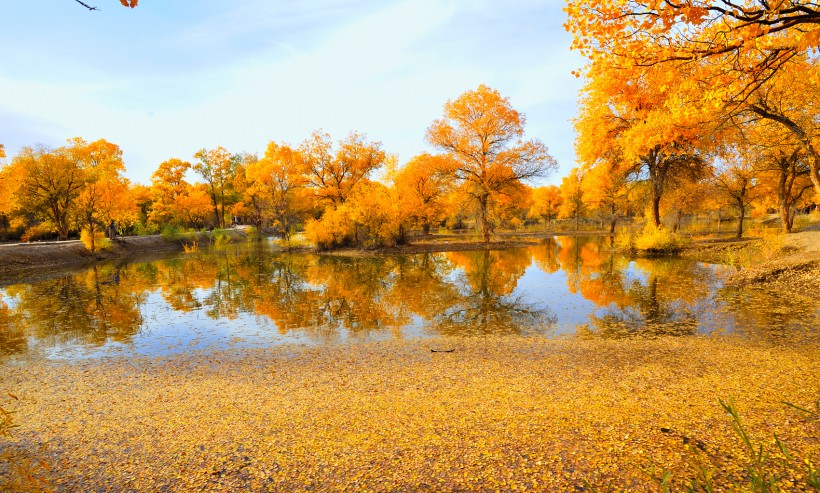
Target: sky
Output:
{"points": [[173, 76]]}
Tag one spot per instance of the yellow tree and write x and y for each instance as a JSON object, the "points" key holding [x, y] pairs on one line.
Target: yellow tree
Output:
{"points": [[483, 136], [217, 168], [651, 128], [195, 204], [421, 186], [546, 202], [167, 187], [104, 196], [277, 184], [48, 184], [333, 175], [572, 191], [734, 52]]}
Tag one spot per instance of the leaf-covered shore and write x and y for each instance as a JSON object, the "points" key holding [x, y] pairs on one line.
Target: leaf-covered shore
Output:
{"points": [[496, 414]]}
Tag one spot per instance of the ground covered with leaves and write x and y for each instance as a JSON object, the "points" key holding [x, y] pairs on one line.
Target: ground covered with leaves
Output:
{"points": [[495, 414]]}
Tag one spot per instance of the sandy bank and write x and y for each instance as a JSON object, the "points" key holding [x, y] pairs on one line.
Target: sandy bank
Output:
{"points": [[26, 259]]}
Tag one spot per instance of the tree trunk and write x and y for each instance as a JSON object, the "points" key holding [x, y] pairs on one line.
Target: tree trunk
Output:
{"points": [[613, 218], [741, 215], [656, 209], [482, 217], [785, 217]]}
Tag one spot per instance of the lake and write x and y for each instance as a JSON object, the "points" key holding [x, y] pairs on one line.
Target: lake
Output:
{"points": [[252, 295]]}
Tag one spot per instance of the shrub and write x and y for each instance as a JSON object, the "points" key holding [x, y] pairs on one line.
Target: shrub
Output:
{"points": [[95, 242], [171, 233], [658, 240], [625, 239], [145, 229], [333, 230], [772, 243], [220, 237]]}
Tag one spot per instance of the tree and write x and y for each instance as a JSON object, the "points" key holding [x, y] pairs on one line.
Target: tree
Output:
{"points": [[482, 134], [168, 185], [277, 183], [217, 168], [104, 195], [605, 189], [546, 203], [572, 191], [644, 129], [421, 186], [734, 53], [735, 45], [334, 175], [49, 184]]}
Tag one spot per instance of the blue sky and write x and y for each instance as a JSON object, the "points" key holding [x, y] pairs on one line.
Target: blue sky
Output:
{"points": [[174, 76]]}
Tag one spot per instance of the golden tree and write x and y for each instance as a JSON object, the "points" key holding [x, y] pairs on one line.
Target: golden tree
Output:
{"points": [[734, 53], [421, 186], [168, 185], [47, 184], [104, 195], [277, 183], [483, 136], [217, 168], [333, 175], [546, 202]]}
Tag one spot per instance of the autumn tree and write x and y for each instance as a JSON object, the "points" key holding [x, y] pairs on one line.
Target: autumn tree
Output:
{"points": [[217, 168], [735, 54], [736, 46], [483, 136], [334, 174], [277, 186], [572, 192], [606, 190], [421, 186], [168, 185], [48, 183], [546, 202], [104, 195], [646, 129]]}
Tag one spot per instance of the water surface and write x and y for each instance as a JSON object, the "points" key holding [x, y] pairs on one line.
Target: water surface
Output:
{"points": [[252, 296]]}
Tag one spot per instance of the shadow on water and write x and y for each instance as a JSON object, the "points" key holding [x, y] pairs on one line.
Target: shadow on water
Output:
{"points": [[251, 296]]}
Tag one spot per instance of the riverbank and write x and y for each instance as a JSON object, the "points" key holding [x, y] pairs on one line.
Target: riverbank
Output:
{"points": [[24, 259], [494, 414], [789, 262], [30, 260]]}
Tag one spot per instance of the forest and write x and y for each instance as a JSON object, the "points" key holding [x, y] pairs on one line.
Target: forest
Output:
{"points": [[663, 136]]}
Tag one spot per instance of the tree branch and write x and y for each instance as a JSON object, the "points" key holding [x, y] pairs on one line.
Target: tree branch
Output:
{"points": [[89, 7]]}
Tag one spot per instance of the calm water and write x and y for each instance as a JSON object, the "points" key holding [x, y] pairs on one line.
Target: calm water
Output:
{"points": [[250, 296]]}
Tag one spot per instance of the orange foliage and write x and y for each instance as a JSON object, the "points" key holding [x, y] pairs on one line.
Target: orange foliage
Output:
{"points": [[482, 135]]}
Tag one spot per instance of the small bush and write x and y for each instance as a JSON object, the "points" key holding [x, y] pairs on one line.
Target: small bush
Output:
{"points": [[773, 241], [252, 234], [335, 229], [145, 229], [42, 231], [172, 233], [220, 237], [625, 239], [658, 240], [97, 242]]}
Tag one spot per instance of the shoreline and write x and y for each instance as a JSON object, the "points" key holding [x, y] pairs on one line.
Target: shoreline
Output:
{"points": [[795, 269]]}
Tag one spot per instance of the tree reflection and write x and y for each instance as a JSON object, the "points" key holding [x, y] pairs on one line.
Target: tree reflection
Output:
{"points": [[329, 297], [486, 305], [91, 308]]}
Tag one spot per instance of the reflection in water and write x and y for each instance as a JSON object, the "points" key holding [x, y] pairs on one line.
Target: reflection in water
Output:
{"points": [[250, 294]]}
